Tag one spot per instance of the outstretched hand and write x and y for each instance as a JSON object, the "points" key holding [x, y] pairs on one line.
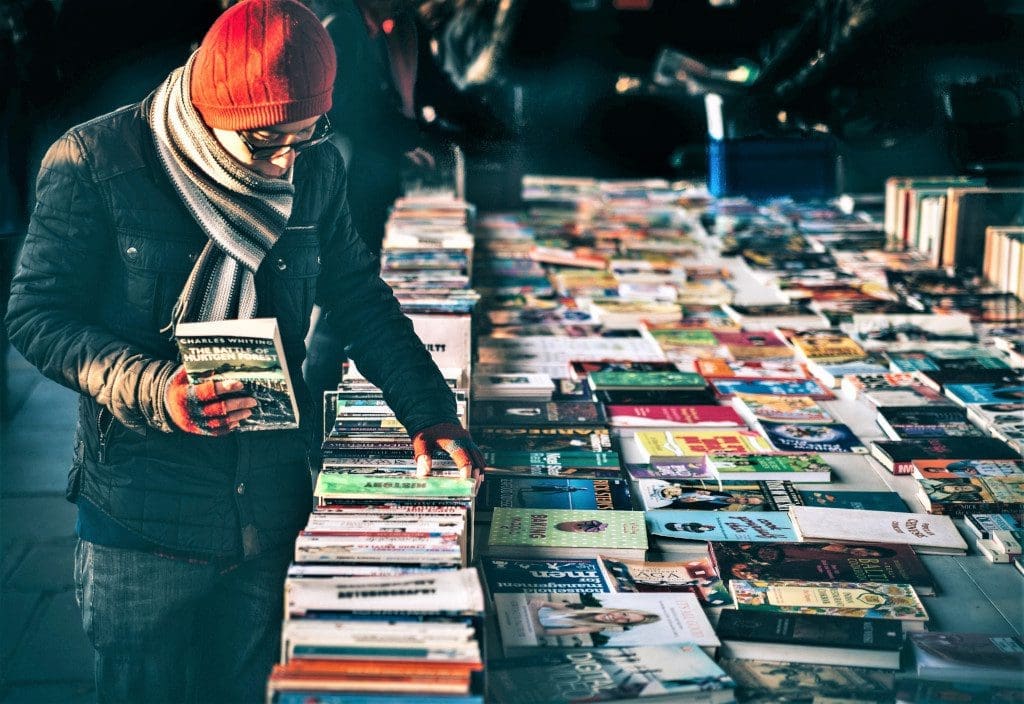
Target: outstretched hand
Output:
{"points": [[208, 408], [453, 439]]}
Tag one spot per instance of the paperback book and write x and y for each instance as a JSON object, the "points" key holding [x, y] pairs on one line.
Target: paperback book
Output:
{"points": [[869, 600], [714, 495], [768, 526], [525, 532], [978, 658], [864, 500], [898, 456], [785, 680], [624, 417], [960, 496], [812, 437], [793, 467], [909, 422], [551, 576], [773, 387], [551, 492], [923, 532], [528, 622], [688, 443], [754, 408], [249, 351], [695, 467], [888, 563], [696, 576]]}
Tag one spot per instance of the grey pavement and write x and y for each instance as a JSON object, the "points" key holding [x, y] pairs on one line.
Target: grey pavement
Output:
{"points": [[44, 656]]}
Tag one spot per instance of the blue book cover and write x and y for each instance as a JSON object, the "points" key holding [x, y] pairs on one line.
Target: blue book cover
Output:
{"points": [[777, 387], [509, 575], [864, 500], [986, 393], [812, 437], [721, 525], [321, 697]]}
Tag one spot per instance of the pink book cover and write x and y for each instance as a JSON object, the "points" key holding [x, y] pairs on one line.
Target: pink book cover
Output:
{"points": [[672, 416]]}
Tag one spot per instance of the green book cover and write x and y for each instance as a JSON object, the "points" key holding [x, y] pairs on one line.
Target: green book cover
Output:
{"points": [[568, 528], [646, 380], [746, 464], [509, 459], [337, 485]]}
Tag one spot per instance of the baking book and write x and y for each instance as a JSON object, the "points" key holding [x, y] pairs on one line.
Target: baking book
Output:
{"points": [[853, 599], [657, 674], [890, 563], [528, 622], [923, 532], [249, 351], [526, 532]]}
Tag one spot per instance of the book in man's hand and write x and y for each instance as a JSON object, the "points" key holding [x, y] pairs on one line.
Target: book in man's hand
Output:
{"points": [[827, 640], [249, 351]]}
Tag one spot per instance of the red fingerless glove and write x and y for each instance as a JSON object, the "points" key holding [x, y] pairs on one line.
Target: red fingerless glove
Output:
{"points": [[453, 439], [199, 409]]}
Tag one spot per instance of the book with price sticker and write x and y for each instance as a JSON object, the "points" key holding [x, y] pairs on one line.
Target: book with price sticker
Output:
{"points": [[249, 351]]}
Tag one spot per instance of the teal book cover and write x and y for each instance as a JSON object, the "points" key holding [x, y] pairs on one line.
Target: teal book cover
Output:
{"points": [[721, 525]]}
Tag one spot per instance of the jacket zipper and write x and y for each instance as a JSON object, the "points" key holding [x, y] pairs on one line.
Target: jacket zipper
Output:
{"points": [[104, 434]]}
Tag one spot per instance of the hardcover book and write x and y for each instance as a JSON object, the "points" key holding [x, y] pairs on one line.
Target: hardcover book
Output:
{"points": [[552, 492], [647, 674], [924, 532], [853, 599], [528, 622], [829, 640], [973, 657], [789, 467], [812, 437], [768, 526], [249, 351], [898, 456], [865, 500], [824, 562], [505, 574], [566, 533]]}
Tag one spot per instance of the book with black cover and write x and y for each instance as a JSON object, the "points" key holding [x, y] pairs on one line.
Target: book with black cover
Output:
{"points": [[898, 455], [975, 657], [504, 414], [832, 640], [551, 492], [909, 422]]}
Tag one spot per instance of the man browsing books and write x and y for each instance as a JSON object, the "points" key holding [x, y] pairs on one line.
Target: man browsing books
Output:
{"points": [[217, 197]]}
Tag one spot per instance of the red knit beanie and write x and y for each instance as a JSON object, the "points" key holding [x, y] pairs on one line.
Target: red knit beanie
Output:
{"points": [[263, 63]]}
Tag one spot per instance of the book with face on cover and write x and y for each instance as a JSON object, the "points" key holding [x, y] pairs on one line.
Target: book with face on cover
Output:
{"points": [[249, 351], [766, 526], [529, 622], [871, 600], [712, 494], [822, 561], [953, 469], [926, 533]]}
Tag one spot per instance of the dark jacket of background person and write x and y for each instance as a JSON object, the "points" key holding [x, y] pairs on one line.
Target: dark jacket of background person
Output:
{"points": [[108, 250]]}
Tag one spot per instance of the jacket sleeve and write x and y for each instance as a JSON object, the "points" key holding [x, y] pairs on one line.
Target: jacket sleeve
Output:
{"points": [[51, 312], [358, 306]]}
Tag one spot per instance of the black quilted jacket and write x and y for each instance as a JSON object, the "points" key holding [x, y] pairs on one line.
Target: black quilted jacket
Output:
{"points": [[108, 249]]}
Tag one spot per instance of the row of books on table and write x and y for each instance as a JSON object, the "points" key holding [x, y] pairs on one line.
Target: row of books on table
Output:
{"points": [[679, 500]]}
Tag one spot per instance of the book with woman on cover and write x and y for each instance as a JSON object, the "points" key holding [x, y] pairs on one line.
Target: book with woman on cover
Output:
{"points": [[249, 351]]}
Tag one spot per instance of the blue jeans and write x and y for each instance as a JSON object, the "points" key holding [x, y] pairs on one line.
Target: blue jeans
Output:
{"points": [[170, 630]]}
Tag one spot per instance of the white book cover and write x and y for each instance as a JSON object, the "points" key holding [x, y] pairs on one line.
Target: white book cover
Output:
{"points": [[531, 622], [924, 532]]}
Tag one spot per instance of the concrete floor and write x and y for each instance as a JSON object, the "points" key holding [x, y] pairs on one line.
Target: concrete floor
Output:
{"points": [[44, 655]]}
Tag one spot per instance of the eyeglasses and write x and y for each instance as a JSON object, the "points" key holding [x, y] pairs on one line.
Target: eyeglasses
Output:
{"points": [[321, 133]]}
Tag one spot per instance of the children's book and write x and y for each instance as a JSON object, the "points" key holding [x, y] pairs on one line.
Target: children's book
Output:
{"points": [[566, 533], [871, 600], [812, 437], [528, 622], [249, 351], [648, 674]]}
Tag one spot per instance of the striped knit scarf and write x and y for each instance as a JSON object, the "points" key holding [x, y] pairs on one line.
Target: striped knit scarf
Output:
{"points": [[241, 212]]}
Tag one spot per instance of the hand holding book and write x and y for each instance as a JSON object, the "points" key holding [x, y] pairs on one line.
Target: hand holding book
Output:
{"points": [[207, 408], [453, 439]]}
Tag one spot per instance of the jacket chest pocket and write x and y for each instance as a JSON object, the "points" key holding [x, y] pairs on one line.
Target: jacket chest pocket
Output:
{"points": [[292, 268], [155, 270]]}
